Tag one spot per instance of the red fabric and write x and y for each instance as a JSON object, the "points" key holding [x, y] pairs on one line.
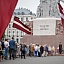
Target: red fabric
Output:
{"points": [[6, 10], [23, 27], [60, 9]]}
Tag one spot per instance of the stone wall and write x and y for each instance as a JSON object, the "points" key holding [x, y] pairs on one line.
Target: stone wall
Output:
{"points": [[49, 40]]}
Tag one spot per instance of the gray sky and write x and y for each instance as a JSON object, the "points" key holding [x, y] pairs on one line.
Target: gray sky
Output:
{"points": [[29, 4]]}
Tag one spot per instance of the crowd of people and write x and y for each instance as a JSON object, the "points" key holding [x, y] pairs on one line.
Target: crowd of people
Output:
{"points": [[12, 50]]}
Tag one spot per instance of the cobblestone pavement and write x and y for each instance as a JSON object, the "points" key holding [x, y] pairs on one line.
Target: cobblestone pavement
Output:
{"points": [[36, 60]]}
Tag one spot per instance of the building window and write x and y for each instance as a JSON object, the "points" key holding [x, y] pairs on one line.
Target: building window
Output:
{"points": [[30, 13], [9, 33], [17, 40], [26, 18], [18, 13], [13, 33], [21, 19], [17, 33], [31, 18], [21, 34], [9, 25], [14, 13], [22, 13]]}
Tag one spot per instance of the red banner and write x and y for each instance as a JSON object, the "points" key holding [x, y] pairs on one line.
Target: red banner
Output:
{"points": [[6, 10]]}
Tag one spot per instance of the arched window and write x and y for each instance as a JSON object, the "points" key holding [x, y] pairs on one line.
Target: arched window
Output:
{"points": [[9, 33], [26, 18], [31, 18], [21, 34], [13, 33], [14, 13], [18, 13], [17, 40], [30, 13], [9, 25], [21, 19], [22, 13], [17, 33]]}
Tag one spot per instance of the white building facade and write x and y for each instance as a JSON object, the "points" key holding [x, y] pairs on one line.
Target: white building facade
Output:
{"points": [[24, 15]]}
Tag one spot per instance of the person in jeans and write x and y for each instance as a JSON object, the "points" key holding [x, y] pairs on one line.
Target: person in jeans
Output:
{"points": [[12, 49], [6, 45]]}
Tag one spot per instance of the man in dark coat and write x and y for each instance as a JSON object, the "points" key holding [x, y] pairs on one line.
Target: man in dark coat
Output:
{"points": [[41, 50], [23, 46], [60, 48], [12, 48]]}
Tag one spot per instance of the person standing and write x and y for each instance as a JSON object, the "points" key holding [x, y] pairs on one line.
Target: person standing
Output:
{"points": [[3, 49], [53, 50], [36, 50], [41, 50], [0, 51], [23, 50], [6, 45], [32, 50], [60, 48], [12, 48]]}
